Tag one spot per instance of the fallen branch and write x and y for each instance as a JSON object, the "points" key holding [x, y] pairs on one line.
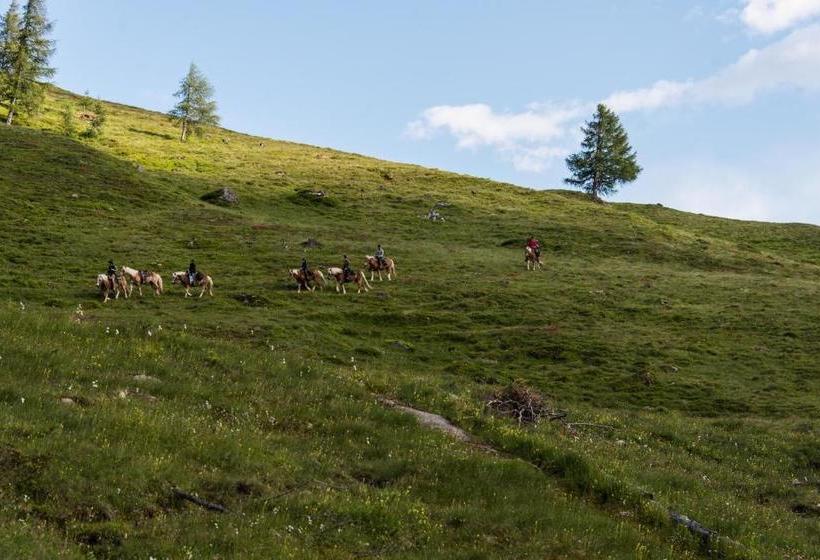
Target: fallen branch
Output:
{"points": [[694, 527], [211, 506]]}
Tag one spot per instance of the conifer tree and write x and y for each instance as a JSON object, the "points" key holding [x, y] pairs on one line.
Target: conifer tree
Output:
{"points": [[9, 43], [606, 159], [196, 108], [29, 61], [97, 122], [68, 120]]}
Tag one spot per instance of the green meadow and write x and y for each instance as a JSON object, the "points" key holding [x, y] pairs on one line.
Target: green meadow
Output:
{"points": [[683, 348]]}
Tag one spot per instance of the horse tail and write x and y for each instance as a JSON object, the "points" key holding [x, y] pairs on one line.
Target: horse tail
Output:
{"points": [[159, 283]]}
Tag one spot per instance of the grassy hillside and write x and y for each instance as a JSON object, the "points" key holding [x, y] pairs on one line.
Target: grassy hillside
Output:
{"points": [[684, 349]]}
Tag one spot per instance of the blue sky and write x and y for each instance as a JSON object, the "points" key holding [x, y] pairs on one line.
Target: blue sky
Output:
{"points": [[721, 98]]}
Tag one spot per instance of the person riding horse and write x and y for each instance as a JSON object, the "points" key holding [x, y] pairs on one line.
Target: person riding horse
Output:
{"points": [[346, 270], [380, 257], [533, 244], [112, 272], [192, 273], [306, 273]]}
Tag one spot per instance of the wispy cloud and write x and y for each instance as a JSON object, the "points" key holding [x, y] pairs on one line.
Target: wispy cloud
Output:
{"points": [[524, 138], [792, 62], [769, 16], [533, 138]]}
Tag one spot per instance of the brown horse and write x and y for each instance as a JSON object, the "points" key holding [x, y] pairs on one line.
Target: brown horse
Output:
{"points": [[317, 278], [107, 287], [532, 259], [358, 278], [201, 279], [372, 264], [143, 277]]}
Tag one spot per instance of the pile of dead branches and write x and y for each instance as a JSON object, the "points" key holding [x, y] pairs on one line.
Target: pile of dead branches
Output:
{"points": [[523, 404]]}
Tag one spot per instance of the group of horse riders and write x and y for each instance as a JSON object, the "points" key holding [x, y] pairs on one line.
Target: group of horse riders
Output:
{"points": [[112, 273], [347, 271], [533, 246]]}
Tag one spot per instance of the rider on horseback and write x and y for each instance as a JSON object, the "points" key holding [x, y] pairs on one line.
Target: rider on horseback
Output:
{"points": [[380, 257], [347, 272], [306, 273], [535, 246], [112, 272], [192, 273]]}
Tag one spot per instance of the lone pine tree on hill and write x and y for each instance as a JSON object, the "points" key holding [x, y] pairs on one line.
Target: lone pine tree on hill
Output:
{"points": [[606, 159], [196, 108], [25, 50]]}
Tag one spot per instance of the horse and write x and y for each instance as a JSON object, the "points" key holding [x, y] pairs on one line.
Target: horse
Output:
{"points": [[372, 264], [358, 278], [106, 286], [318, 279], [532, 259], [201, 279], [143, 277]]}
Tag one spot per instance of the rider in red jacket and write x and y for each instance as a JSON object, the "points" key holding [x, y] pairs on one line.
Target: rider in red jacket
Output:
{"points": [[533, 244]]}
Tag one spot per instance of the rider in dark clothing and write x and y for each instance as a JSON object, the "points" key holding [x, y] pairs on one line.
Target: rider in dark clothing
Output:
{"points": [[112, 271], [192, 273], [346, 270], [306, 273], [380, 256]]}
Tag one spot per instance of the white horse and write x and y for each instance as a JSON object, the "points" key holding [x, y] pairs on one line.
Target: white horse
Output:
{"points": [[107, 287], [143, 277], [358, 278], [203, 280], [318, 279], [372, 264]]}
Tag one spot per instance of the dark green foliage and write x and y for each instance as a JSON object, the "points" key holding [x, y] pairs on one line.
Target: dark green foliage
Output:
{"points": [[9, 45], [27, 61], [97, 123], [606, 159], [68, 116], [196, 108], [86, 102]]}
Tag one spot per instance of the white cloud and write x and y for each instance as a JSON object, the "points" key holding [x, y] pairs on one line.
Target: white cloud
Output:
{"points": [[523, 138], [792, 62], [768, 16], [532, 139]]}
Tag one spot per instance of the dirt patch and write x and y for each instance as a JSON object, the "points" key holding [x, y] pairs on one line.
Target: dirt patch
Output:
{"points": [[430, 420]]}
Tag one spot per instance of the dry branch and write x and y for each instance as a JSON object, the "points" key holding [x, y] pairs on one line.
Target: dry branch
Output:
{"points": [[211, 506], [523, 404]]}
